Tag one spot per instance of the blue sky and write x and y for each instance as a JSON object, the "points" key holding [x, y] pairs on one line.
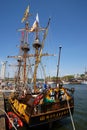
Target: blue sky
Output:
{"points": [[68, 27]]}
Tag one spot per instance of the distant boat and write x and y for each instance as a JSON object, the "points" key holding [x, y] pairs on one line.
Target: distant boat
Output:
{"points": [[74, 81], [65, 82], [84, 82]]}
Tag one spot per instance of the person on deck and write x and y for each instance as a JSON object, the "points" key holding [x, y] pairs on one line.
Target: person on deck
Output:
{"points": [[62, 95], [45, 85]]}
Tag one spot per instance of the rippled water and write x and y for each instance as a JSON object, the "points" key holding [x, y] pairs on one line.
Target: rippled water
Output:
{"points": [[80, 112]]}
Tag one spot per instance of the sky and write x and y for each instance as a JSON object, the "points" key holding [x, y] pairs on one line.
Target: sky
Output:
{"points": [[68, 28]]}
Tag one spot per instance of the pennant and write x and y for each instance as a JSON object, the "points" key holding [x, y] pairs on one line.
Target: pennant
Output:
{"points": [[26, 14], [37, 18], [35, 24]]}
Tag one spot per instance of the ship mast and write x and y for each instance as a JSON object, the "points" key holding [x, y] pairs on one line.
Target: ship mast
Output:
{"points": [[60, 47], [19, 70], [25, 49], [25, 45], [38, 46]]}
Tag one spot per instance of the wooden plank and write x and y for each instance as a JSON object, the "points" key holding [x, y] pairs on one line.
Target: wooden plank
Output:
{"points": [[2, 114]]}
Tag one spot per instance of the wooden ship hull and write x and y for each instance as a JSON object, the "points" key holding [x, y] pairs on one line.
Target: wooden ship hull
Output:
{"points": [[41, 110], [50, 117]]}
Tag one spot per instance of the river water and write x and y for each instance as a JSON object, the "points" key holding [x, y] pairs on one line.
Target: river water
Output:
{"points": [[79, 116], [80, 111]]}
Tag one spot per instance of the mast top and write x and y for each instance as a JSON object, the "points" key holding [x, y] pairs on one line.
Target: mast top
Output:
{"points": [[25, 47]]}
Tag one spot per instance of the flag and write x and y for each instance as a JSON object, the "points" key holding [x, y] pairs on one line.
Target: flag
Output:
{"points": [[37, 18], [26, 14], [35, 24]]}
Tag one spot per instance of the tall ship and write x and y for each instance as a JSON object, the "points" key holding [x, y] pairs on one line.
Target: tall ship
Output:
{"points": [[37, 104]]}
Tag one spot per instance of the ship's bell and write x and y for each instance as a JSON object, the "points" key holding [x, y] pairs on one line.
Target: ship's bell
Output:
{"points": [[36, 43]]}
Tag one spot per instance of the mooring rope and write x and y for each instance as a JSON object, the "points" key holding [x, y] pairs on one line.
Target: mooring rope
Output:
{"points": [[8, 118], [72, 121]]}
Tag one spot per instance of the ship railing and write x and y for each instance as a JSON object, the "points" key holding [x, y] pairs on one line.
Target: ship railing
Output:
{"points": [[48, 107]]}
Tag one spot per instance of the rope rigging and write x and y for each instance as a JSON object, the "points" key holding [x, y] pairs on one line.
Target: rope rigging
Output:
{"points": [[72, 121]]}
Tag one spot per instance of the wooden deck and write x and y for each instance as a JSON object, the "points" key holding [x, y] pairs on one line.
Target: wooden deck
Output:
{"points": [[2, 114]]}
